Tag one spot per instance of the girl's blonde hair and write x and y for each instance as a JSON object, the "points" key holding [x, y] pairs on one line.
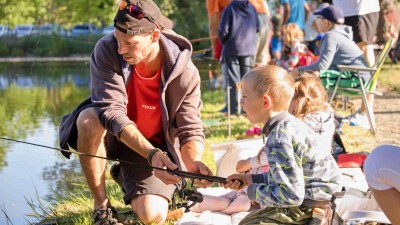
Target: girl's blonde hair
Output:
{"points": [[310, 96], [292, 32], [259, 154]]}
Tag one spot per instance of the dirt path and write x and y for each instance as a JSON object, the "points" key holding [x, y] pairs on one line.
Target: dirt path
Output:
{"points": [[387, 114], [387, 118]]}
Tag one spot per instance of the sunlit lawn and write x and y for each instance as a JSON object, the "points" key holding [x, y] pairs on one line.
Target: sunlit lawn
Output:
{"points": [[77, 207]]}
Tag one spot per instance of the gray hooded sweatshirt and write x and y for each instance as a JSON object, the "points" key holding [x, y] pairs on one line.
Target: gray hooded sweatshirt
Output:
{"points": [[338, 48], [180, 93], [323, 124]]}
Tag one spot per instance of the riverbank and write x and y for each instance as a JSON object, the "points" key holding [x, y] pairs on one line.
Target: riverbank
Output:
{"points": [[45, 59]]}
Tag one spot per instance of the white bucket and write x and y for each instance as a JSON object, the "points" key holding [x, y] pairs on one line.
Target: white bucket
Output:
{"points": [[227, 154]]}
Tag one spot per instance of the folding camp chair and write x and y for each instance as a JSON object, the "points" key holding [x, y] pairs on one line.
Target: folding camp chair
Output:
{"points": [[367, 87]]}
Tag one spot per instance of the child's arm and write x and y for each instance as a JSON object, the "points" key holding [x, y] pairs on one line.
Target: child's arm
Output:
{"points": [[283, 185], [243, 165], [259, 160]]}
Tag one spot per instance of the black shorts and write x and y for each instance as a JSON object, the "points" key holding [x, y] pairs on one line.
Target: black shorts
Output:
{"points": [[364, 27], [136, 181]]}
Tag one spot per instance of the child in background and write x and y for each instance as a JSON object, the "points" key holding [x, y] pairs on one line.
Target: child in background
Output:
{"points": [[276, 20], [300, 176], [297, 53], [310, 104]]}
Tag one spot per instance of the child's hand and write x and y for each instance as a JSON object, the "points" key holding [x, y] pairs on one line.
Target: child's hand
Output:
{"points": [[238, 181], [243, 166]]}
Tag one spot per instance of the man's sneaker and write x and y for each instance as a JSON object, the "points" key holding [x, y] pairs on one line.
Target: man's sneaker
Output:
{"points": [[361, 120], [106, 216], [115, 172]]}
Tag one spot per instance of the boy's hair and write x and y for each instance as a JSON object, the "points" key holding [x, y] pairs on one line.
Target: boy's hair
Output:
{"points": [[291, 33], [273, 81], [310, 95]]}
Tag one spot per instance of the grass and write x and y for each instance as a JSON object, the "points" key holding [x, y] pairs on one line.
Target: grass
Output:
{"points": [[77, 207], [390, 77]]}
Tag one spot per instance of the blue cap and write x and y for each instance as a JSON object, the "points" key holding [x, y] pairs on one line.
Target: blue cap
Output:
{"points": [[331, 13]]}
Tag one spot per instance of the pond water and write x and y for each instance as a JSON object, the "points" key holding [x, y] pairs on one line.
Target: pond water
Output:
{"points": [[33, 98]]}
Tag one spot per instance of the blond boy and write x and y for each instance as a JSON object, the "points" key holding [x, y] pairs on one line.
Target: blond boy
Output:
{"points": [[300, 177]]}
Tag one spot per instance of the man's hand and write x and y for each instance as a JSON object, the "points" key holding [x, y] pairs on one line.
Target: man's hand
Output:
{"points": [[161, 160], [233, 181], [199, 167], [191, 157], [243, 166]]}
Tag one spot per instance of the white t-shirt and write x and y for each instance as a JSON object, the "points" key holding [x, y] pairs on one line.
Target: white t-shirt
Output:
{"points": [[357, 7]]}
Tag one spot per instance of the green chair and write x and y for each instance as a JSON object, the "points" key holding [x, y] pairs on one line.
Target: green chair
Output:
{"points": [[365, 88]]}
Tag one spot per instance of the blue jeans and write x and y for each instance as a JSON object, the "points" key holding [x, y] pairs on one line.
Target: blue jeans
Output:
{"points": [[235, 68]]}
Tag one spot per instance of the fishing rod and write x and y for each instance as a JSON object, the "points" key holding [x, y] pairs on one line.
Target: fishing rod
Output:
{"points": [[179, 173], [201, 54]]}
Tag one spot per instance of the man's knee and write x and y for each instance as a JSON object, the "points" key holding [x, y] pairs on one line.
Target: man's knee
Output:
{"points": [[150, 208], [88, 121]]}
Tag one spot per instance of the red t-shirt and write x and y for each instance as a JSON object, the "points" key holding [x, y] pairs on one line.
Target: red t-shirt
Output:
{"points": [[143, 107]]}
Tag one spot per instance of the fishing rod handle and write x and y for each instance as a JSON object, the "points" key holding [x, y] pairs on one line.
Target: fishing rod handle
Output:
{"points": [[200, 176]]}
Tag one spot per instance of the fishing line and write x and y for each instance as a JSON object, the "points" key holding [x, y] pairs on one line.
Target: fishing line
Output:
{"points": [[179, 173]]}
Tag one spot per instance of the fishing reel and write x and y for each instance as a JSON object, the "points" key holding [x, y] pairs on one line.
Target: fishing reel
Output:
{"points": [[187, 197]]}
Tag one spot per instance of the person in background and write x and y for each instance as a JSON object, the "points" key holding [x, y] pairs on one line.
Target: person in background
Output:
{"points": [[300, 176], [363, 17], [338, 48], [295, 11], [296, 52], [310, 30], [382, 171], [276, 20], [144, 108], [310, 104], [214, 10], [238, 34], [262, 56]]}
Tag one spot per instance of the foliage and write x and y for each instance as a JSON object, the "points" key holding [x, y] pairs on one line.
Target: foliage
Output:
{"points": [[66, 13], [189, 16], [189, 19], [47, 45]]}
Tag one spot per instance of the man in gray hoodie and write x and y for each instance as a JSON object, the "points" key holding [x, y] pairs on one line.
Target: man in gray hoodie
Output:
{"points": [[338, 48], [144, 108]]}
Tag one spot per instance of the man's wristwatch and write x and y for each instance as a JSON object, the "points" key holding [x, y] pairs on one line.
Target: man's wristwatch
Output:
{"points": [[152, 153]]}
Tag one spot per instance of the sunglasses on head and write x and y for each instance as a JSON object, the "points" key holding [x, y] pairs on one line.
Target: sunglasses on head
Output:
{"points": [[136, 12]]}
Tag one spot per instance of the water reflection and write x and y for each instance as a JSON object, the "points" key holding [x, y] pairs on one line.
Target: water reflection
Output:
{"points": [[33, 97], [44, 74]]}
